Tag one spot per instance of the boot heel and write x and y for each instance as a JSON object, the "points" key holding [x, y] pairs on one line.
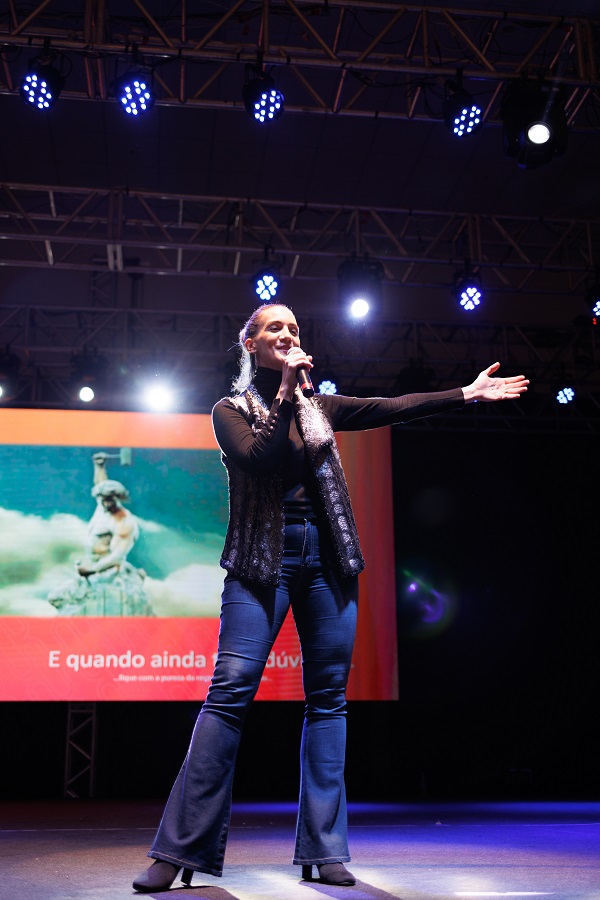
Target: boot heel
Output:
{"points": [[186, 876], [307, 873]]}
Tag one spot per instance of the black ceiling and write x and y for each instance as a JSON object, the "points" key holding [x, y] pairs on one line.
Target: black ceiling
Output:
{"points": [[364, 86]]}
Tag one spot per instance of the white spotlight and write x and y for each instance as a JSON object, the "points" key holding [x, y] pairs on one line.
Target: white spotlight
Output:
{"points": [[359, 308], [539, 133], [158, 397], [360, 286], [86, 394]]}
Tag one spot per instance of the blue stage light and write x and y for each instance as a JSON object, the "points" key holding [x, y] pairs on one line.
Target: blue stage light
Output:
{"points": [[565, 395], [592, 298], [41, 87], [327, 386], [266, 284], [470, 297], [263, 101], [462, 115], [268, 106], [467, 289], [134, 93]]}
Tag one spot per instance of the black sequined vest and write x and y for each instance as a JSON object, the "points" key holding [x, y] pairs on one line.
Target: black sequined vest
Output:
{"points": [[254, 541]]}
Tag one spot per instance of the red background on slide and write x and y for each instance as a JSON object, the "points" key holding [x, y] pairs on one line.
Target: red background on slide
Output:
{"points": [[48, 658]]}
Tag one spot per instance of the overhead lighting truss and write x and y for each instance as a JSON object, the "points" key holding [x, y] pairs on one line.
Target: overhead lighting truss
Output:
{"points": [[329, 66], [134, 231], [47, 337]]}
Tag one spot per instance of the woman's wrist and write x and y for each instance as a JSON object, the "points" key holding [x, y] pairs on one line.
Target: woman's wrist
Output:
{"points": [[469, 393], [286, 391]]}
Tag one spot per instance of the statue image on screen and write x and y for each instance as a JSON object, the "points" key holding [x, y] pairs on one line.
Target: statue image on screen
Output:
{"points": [[102, 531], [104, 582]]}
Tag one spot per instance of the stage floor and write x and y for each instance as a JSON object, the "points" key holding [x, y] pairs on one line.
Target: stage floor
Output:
{"points": [[92, 850]]}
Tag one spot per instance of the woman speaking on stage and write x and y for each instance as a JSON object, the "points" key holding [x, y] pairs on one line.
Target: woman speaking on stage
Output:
{"points": [[291, 541]]}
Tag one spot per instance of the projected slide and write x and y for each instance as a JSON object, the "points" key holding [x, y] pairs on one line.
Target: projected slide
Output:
{"points": [[112, 526]]}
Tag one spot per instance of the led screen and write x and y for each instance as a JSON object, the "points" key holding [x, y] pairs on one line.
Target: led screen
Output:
{"points": [[120, 601]]}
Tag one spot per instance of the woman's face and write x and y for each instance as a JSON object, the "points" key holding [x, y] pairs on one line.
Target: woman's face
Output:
{"points": [[277, 333]]}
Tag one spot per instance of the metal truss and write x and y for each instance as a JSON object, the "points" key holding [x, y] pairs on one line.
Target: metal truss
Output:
{"points": [[147, 232], [386, 357], [336, 57], [80, 753]]}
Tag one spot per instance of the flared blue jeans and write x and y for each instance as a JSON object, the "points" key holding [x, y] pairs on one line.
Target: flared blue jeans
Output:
{"points": [[194, 827]]}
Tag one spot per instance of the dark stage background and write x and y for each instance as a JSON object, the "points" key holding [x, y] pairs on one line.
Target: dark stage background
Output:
{"points": [[498, 697]]}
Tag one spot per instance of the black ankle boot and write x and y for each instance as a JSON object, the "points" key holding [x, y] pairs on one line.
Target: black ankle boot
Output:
{"points": [[160, 876], [330, 873]]}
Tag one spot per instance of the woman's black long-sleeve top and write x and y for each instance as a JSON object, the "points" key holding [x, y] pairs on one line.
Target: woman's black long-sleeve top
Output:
{"points": [[278, 445]]}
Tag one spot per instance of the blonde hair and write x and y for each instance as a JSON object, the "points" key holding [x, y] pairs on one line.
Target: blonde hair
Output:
{"points": [[247, 359]]}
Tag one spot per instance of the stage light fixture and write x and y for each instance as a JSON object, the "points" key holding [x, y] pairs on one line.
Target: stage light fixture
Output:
{"points": [[593, 301], [360, 285], [134, 92], [87, 394], [266, 283], [539, 133], [10, 365], [534, 123], [467, 289], [158, 395], [263, 101], [41, 86], [360, 308], [266, 279], [327, 386], [327, 383], [157, 383], [565, 395], [88, 377], [462, 114]]}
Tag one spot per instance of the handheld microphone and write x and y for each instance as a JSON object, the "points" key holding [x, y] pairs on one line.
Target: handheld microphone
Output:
{"points": [[304, 382]]}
